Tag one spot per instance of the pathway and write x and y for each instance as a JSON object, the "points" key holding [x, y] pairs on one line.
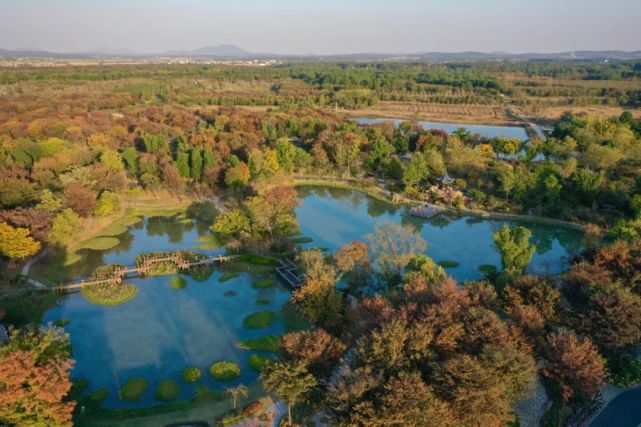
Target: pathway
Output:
{"points": [[26, 269]]}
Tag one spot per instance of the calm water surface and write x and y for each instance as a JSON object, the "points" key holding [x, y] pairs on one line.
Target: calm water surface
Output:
{"points": [[163, 330], [483, 130], [333, 217]]}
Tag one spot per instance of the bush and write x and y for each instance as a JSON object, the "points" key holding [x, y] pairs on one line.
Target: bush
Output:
{"points": [[488, 269], [61, 322], [627, 374], [167, 390], [230, 293], [257, 259], [259, 320], [300, 240], [205, 394], [97, 396], [107, 294], [133, 389], [262, 301], [191, 375], [224, 371], [265, 283], [177, 282], [268, 343], [257, 362], [227, 276], [448, 264]]}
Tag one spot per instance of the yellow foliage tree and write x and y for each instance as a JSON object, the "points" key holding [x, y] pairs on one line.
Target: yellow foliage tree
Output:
{"points": [[16, 242]]}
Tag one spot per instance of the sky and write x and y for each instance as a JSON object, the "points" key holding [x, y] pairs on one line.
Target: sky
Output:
{"points": [[322, 26]]}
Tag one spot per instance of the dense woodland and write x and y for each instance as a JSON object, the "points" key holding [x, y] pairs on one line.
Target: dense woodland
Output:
{"points": [[403, 344]]}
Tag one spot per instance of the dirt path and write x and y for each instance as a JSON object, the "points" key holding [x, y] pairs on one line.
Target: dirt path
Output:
{"points": [[26, 269]]}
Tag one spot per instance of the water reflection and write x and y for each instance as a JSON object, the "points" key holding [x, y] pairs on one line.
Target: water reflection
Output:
{"points": [[333, 217]]}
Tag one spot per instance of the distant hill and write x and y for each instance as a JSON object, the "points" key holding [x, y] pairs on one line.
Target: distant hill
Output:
{"points": [[221, 51], [230, 51]]}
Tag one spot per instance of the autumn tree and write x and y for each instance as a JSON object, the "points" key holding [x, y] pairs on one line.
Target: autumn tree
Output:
{"points": [[353, 260], [318, 298], [290, 381], [574, 363], [514, 247], [34, 379], [16, 242], [318, 349], [237, 176], [272, 210], [394, 246], [81, 199]]}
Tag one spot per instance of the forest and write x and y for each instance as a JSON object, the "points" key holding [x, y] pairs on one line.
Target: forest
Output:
{"points": [[78, 144]]}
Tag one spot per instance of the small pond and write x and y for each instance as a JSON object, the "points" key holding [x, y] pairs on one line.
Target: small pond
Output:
{"points": [[483, 130]]}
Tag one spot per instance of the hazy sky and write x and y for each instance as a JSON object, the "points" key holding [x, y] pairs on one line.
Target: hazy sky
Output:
{"points": [[322, 26]]}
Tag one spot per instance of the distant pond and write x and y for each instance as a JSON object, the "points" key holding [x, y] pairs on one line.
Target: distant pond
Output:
{"points": [[163, 330], [483, 130]]}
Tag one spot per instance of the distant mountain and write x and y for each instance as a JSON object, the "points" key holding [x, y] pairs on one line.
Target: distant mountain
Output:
{"points": [[229, 51], [220, 51]]}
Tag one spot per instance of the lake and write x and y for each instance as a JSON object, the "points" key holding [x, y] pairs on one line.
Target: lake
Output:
{"points": [[162, 330], [334, 217], [483, 130]]}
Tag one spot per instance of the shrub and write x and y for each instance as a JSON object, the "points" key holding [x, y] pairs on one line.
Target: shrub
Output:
{"points": [[97, 396], [627, 374], [167, 390], [227, 276], [268, 343], [262, 301], [448, 264], [204, 394], [300, 240], [256, 259], [133, 389], [61, 322], [265, 283], [257, 362], [224, 371], [259, 320], [230, 293], [177, 282], [487, 269], [191, 375]]}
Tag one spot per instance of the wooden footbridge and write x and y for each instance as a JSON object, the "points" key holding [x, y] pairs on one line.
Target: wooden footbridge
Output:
{"points": [[287, 271], [143, 265]]}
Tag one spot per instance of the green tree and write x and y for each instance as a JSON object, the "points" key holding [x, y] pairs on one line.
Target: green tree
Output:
{"points": [[289, 380], [416, 171], [130, 156], [49, 202], [286, 153], [231, 223], [380, 151], [196, 162], [64, 227], [515, 248]]}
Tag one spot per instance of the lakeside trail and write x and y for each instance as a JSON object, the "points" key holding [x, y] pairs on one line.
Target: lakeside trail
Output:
{"points": [[26, 269]]}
